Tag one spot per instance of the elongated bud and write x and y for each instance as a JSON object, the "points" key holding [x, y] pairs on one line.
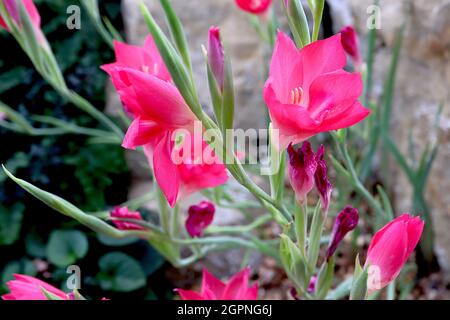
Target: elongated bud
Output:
{"points": [[390, 248], [124, 213], [323, 185], [350, 42], [12, 9], [302, 166], [216, 56], [199, 218], [346, 221]]}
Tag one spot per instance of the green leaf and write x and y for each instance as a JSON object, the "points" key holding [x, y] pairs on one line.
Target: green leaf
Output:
{"points": [[325, 279], [35, 245], [65, 247], [114, 242], [10, 223], [23, 266], [177, 32], [119, 272]]}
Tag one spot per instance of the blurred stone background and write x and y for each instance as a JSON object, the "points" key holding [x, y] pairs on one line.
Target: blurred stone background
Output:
{"points": [[423, 81]]}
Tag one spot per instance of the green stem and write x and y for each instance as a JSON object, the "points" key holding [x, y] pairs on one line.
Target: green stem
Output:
{"points": [[240, 229]]}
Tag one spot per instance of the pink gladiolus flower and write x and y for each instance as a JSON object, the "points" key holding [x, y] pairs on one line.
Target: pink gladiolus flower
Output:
{"points": [[350, 43], [390, 248], [237, 288], [124, 213], [159, 112], [216, 55], [29, 288], [301, 167], [254, 6], [323, 185], [199, 218], [308, 91], [346, 221]]}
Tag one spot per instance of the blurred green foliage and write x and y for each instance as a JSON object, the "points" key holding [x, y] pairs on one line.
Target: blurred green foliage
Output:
{"points": [[34, 240]]}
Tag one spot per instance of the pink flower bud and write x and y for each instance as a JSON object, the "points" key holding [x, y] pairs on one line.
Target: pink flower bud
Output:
{"points": [[312, 284], [302, 166], [124, 213], [254, 6], [323, 185], [13, 11], [237, 288], [350, 42], [390, 248], [199, 218], [346, 221], [216, 55]]}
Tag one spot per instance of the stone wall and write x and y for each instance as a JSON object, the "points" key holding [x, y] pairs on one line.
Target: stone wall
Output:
{"points": [[423, 78], [423, 85]]}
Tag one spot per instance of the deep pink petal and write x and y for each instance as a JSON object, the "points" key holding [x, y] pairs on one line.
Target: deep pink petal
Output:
{"points": [[189, 295], [141, 132], [331, 93], [211, 282], [153, 98], [166, 173], [237, 286], [346, 118], [285, 70], [320, 57], [414, 228]]}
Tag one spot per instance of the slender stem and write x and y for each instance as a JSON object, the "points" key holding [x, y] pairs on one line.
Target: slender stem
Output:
{"points": [[174, 223], [301, 222], [164, 212], [240, 229]]}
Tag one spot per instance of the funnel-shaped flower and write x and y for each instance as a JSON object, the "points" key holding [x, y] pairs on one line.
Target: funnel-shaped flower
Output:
{"points": [[124, 213], [346, 221], [237, 288], [29, 288], [323, 185], [159, 111], [350, 43], [199, 218], [254, 6], [301, 167], [308, 91], [390, 248]]}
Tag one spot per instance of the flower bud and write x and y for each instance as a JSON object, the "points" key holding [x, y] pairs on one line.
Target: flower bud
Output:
{"points": [[124, 213], [216, 56], [323, 185], [390, 248], [350, 42], [346, 221], [302, 166], [199, 218]]}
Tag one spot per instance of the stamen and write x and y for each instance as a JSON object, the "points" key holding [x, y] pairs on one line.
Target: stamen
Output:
{"points": [[296, 95]]}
